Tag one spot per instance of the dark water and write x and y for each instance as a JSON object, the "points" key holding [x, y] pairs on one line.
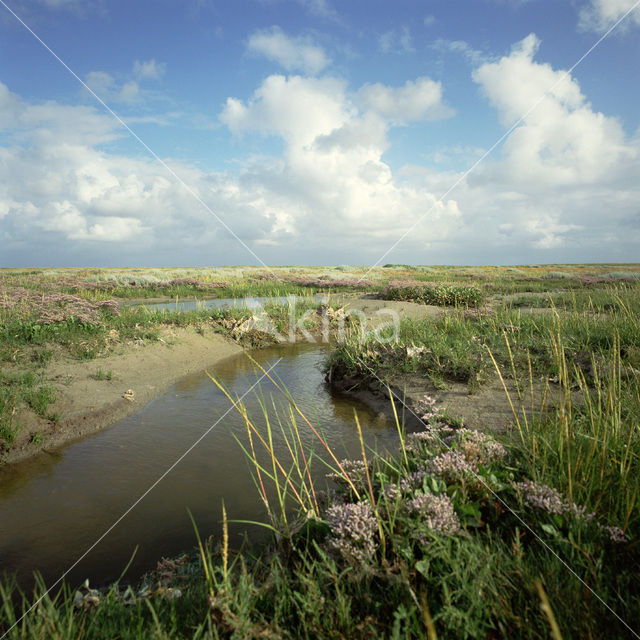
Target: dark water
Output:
{"points": [[221, 303], [55, 506]]}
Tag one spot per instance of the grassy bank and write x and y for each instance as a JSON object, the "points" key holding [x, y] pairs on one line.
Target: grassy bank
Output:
{"points": [[457, 535]]}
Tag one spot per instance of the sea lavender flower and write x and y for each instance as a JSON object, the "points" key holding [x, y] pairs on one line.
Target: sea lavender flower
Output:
{"points": [[541, 496], [391, 492], [353, 528], [550, 500], [578, 511], [438, 512], [434, 433], [450, 466], [50, 308], [479, 448], [355, 470], [413, 480], [616, 534], [427, 408]]}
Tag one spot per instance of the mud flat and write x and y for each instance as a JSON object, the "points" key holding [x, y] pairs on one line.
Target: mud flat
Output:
{"points": [[87, 403]]}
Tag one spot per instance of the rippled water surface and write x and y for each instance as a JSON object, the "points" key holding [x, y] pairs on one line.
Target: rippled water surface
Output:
{"points": [[55, 506]]}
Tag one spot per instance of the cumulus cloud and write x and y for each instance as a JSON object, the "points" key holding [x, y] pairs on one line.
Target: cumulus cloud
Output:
{"points": [[564, 185], [104, 85], [294, 54], [331, 177], [599, 15], [563, 141], [416, 101], [330, 188], [295, 108], [125, 91], [560, 169]]}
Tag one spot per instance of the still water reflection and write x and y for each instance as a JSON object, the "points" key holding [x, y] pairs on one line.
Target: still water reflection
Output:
{"points": [[55, 506]]}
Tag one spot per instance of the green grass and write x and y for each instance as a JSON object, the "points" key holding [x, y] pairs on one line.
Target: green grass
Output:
{"points": [[454, 347], [446, 295], [19, 389], [103, 375]]}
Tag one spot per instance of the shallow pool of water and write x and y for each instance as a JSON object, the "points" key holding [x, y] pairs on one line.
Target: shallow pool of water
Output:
{"points": [[56, 505]]}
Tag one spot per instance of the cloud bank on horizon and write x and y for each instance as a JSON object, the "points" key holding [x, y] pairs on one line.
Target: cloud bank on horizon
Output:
{"points": [[320, 135]]}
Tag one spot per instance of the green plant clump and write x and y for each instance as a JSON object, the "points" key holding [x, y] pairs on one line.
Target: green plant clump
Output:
{"points": [[438, 294]]}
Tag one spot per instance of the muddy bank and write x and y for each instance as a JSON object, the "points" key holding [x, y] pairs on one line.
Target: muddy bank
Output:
{"points": [[486, 409], [96, 393]]}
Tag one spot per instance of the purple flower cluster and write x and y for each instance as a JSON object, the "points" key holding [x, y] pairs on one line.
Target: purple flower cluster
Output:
{"points": [[355, 470], [541, 497], [391, 492], [77, 284], [50, 308], [550, 500], [433, 434], [616, 534], [479, 448], [427, 408], [438, 512], [353, 529], [451, 466], [413, 480]]}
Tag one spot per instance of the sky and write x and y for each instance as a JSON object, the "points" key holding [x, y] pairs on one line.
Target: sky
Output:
{"points": [[282, 132]]}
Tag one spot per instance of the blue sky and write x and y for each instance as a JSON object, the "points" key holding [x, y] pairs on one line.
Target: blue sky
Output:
{"points": [[319, 132]]}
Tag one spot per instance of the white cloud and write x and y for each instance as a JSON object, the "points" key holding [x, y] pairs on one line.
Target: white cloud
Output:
{"points": [[461, 47], [319, 8], [294, 54], [416, 101], [104, 85], [79, 7], [396, 41], [429, 20], [297, 109], [331, 179], [149, 69], [560, 170], [563, 141], [599, 15], [49, 121], [125, 91], [564, 185]]}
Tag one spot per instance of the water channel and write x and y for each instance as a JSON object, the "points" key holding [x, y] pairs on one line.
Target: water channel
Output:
{"points": [[55, 506]]}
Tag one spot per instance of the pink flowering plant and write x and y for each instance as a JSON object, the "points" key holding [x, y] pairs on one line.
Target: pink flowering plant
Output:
{"points": [[453, 481], [41, 308]]}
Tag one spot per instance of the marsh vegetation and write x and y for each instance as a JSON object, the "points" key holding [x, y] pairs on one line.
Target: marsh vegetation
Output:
{"points": [[460, 532]]}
